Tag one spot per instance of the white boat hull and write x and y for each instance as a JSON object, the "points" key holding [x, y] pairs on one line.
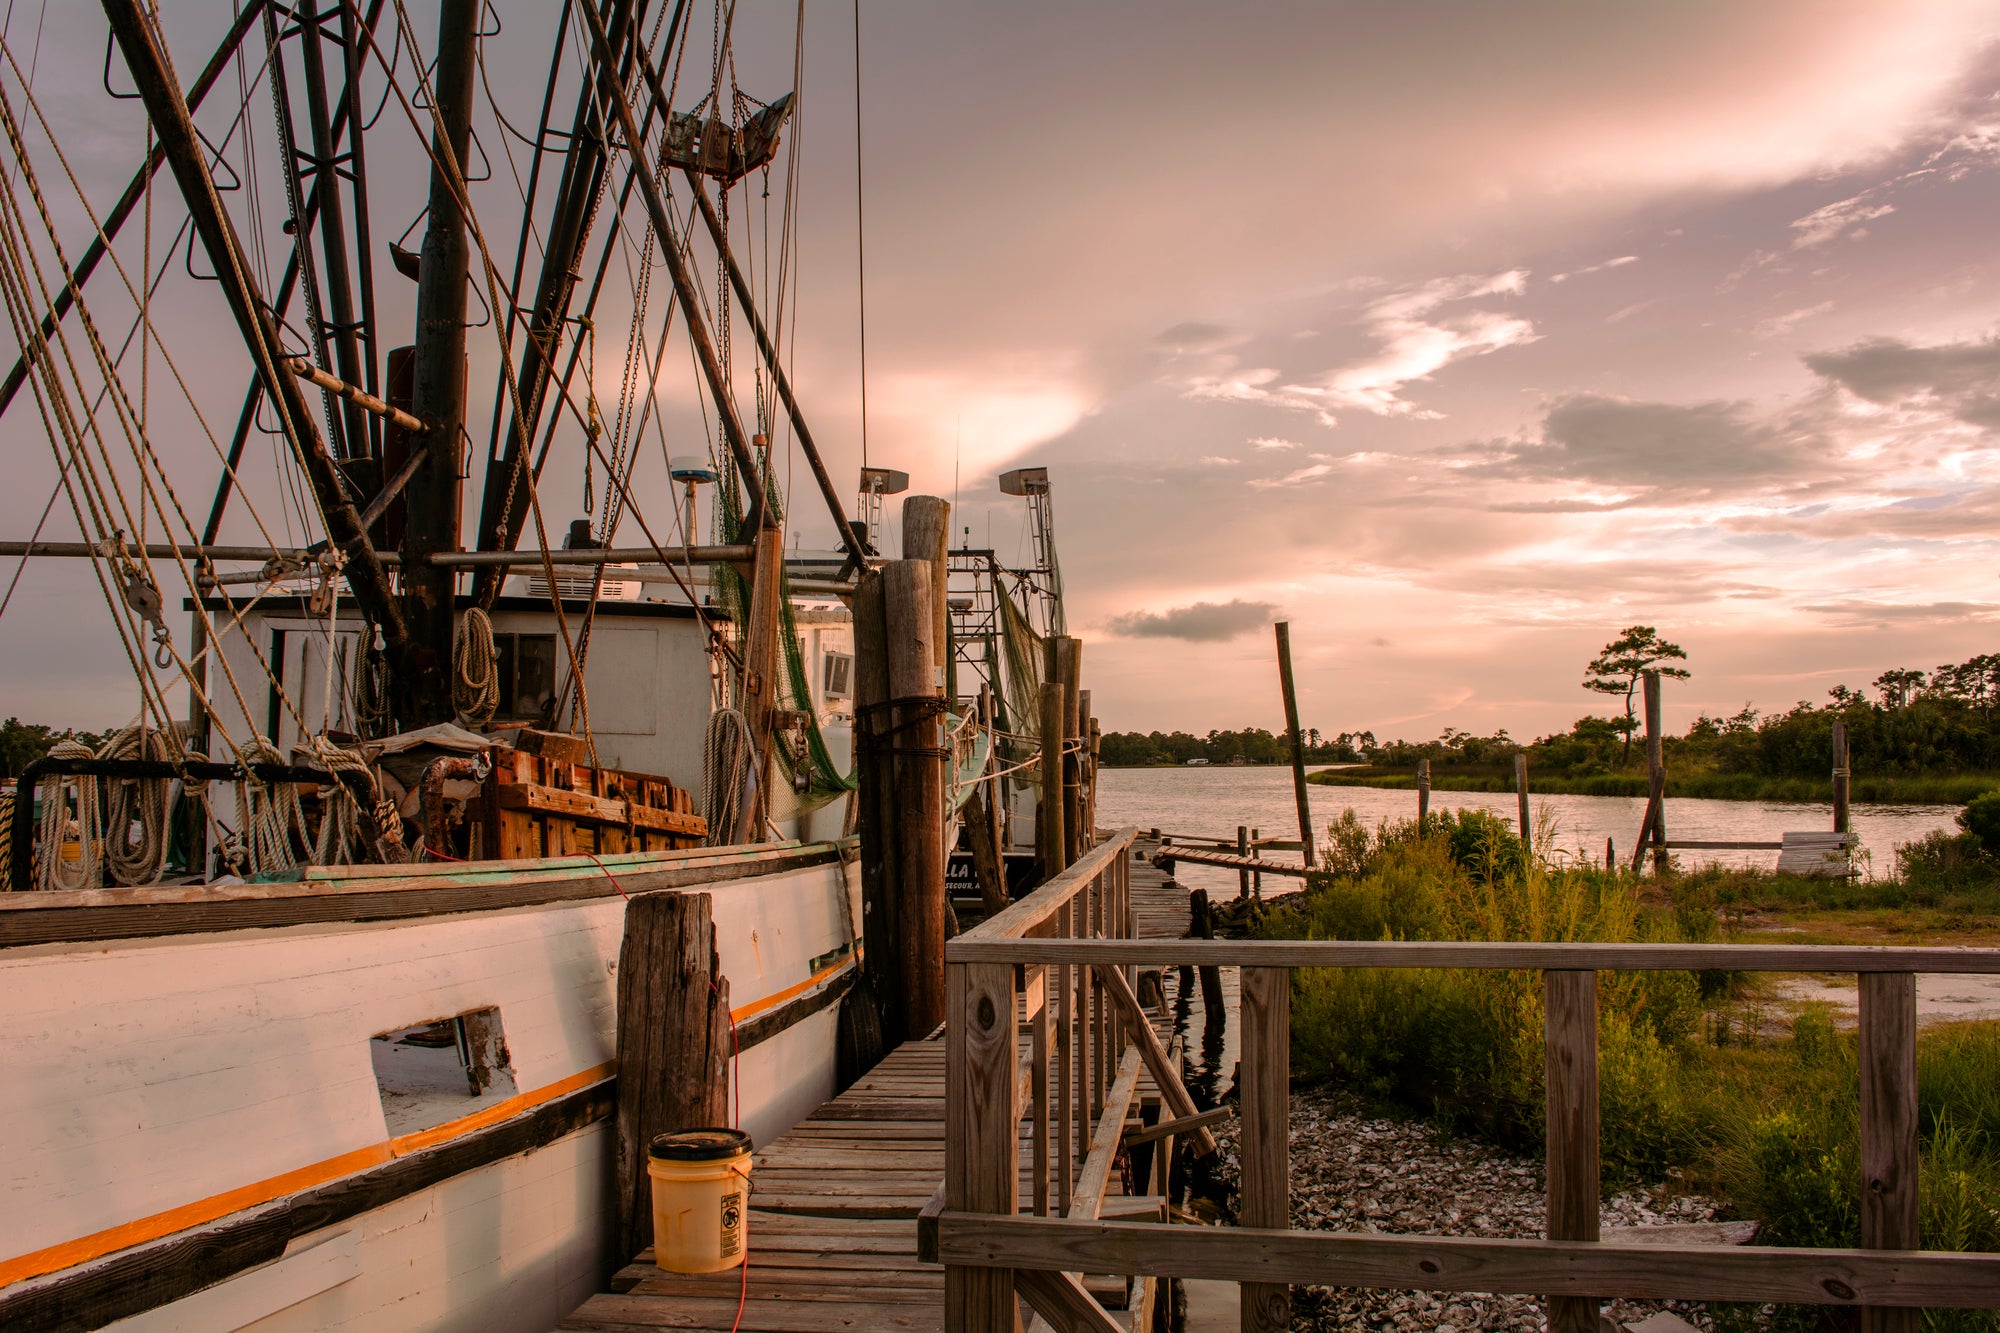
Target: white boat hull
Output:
{"points": [[169, 1087]]}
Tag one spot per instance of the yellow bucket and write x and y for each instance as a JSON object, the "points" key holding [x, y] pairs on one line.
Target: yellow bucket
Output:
{"points": [[701, 1199]]}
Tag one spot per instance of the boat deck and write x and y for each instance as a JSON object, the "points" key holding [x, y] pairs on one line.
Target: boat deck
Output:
{"points": [[832, 1228]]}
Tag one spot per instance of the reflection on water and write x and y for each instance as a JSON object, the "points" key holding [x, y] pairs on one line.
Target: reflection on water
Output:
{"points": [[1213, 801]]}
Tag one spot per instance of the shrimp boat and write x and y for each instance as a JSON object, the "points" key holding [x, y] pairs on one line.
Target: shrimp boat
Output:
{"points": [[308, 975]]}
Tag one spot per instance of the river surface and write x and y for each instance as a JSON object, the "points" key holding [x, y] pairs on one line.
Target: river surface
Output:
{"points": [[1213, 801]]}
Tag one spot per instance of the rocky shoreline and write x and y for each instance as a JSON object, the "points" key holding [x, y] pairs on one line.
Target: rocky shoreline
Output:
{"points": [[1353, 1171]]}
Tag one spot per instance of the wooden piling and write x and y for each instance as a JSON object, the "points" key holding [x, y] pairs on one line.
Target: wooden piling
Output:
{"points": [[1064, 666], [927, 537], [673, 1041], [1201, 926], [875, 818], [1296, 741], [1656, 773], [1243, 887], [1256, 876], [915, 713], [1840, 776], [1569, 1077], [1521, 793], [1049, 837], [1423, 789], [1610, 854]]}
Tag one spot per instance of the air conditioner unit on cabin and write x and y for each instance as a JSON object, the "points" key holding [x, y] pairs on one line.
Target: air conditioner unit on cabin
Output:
{"points": [[573, 585]]}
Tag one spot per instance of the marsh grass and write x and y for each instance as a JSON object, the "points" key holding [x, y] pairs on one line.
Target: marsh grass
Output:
{"points": [[1699, 1081]]}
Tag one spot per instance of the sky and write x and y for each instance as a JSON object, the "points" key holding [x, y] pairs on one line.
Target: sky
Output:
{"points": [[1459, 336]]}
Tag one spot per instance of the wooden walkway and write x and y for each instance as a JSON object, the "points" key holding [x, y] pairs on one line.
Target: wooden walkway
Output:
{"points": [[832, 1227]]}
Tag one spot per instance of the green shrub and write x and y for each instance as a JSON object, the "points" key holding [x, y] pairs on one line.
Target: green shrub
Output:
{"points": [[1466, 1046], [1981, 818]]}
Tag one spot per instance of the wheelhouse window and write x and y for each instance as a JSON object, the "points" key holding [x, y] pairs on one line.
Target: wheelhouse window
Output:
{"points": [[527, 667]]}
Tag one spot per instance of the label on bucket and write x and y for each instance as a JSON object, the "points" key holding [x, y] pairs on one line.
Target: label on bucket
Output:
{"points": [[732, 1224]]}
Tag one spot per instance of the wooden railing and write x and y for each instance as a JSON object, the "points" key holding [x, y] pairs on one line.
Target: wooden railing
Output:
{"points": [[1073, 935]]}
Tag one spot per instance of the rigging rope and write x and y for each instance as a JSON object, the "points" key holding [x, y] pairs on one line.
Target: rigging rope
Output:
{"points": [[725, 771]]}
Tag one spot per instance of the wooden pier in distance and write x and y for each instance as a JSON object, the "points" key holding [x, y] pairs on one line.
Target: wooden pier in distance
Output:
{"points": [[834, 1205]]}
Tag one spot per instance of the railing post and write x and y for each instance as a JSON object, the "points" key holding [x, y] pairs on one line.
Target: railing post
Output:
{"points": [[1570, 1080], [1038, 1082], [1888, 1051], [1266, 1129], [1065, 1040], [982, 1173]]}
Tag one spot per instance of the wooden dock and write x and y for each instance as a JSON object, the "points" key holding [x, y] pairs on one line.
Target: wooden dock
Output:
{"points": [[834, 1203]]}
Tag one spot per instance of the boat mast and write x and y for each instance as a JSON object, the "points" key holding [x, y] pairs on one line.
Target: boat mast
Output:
{"points": [[438, 373]]}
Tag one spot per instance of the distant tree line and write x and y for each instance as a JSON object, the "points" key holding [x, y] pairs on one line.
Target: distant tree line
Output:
{"points": [[1945, 720], [22, 743]]}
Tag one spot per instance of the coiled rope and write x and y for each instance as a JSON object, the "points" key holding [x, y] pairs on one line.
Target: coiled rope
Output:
{"points": [[266, 813], [475, 675], [135, 810], [54, 826]]}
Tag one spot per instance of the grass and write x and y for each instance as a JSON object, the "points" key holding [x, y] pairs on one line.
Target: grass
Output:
{"points": [[1701, 1080], [1922, 789]]}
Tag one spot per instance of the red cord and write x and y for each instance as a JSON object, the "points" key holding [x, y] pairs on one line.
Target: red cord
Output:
{"points": [[736, 1090]]}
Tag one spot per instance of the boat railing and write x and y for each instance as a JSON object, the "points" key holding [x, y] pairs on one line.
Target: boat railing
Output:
{"points": [[1068, 951]]}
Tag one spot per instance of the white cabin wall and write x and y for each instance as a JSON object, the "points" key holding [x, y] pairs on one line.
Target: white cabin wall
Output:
{"points": [[647, 679]]}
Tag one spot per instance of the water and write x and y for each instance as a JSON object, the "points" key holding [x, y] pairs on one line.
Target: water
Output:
{"points": [[1213, 801]]}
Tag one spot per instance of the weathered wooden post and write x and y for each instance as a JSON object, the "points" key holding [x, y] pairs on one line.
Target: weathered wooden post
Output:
{"points": [[1049, 838], [1243, 887], [1083, 832], [1888, 1057], [1521, 792], [1065, 667], [1656, 773], [1265, 1108], [1610, 854], [1569, 1077], [1840, 776], [1296, 741], [1201, 926], [927, 537], [915, 710], [875, 818], [1256, 876], [1423, 789], [983, 1158], [673, 1041]]}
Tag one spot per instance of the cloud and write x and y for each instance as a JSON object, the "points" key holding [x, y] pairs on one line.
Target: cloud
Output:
{"points": [[1301, 477], [1203, 622], [1659, 448], [1855, 613], [1779, 326], [1273, 442], [1962, 378], [1416, 342], [1216, 460], [1415, 338], [1843, 217], [1196, 336], [1620, 262]]}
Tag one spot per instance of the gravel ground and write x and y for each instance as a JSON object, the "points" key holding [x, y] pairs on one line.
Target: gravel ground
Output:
{"points": [[1354, 1172]]}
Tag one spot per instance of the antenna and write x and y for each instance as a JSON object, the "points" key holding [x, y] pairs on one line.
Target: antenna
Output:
{"points": [[691, 470]]}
